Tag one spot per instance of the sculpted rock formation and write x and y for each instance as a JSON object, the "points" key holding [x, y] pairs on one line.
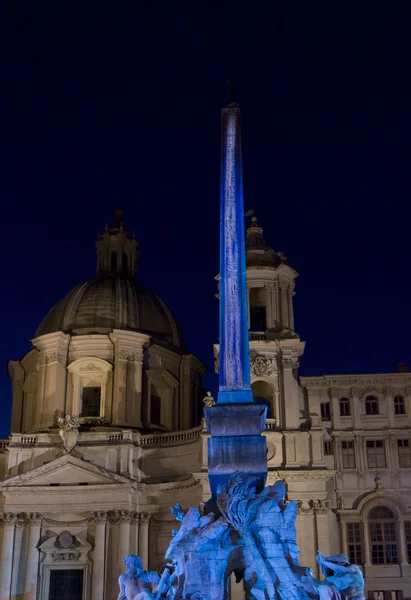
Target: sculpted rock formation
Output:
{"points": [[254, 538]]}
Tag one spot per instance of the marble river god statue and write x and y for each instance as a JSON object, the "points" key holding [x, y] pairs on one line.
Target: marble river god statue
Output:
{"points": [[137, 584], [253, 537]]}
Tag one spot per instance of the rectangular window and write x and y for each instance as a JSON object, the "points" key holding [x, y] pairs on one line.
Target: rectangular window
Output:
{"points": [[155, 410], [399, 405], [404, 453], [371, 406], [407, 525], [66, 584], [354, 543], [325, 411], [348, 454], [91, 402], [345, 407], [328, 448], [383, 543], [258, 320], [376, 454]]}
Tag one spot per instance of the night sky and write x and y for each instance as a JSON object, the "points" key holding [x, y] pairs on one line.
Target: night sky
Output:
{"points": [[101, 109]]}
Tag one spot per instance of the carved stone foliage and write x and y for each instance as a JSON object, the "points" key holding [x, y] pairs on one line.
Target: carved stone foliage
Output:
{"points": [[261, 365], [46, 358], [8, 518], [35, 518], [129, 355], [100, 516], [290, 362]]}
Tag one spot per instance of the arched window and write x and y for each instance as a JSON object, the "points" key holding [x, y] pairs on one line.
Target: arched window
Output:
{"points": [[113, 264], [125, 263], [257, 302], [263, 394], [371, 406], [399, 405], [345, 407], [383, 536]]}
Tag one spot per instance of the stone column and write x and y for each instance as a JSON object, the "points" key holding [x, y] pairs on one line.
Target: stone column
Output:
{"points": [[124, 518], [269, 305], [321, 508], [33, 555], [403, 543], [276, 304], [136, 518], [120, 387], [6, 565], [344, 542], [144, 538], [367, 549], [290, 307], [284, 305], [291, 392], [99, 558]]}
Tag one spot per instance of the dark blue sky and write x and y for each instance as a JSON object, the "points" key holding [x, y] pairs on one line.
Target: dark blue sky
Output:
{"points": [[122, 107]]}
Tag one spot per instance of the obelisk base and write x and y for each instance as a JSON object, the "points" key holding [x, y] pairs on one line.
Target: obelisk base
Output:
{"points": [[236, 444]]}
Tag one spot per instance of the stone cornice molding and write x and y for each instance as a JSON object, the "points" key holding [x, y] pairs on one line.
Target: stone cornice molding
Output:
{"points": [[344, 381], [90, 364], [306, 474], [189, 483], [58, 523]]}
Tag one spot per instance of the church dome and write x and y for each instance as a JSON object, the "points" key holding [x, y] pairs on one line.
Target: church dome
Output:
{"points": [[113, 302], [114, 299]]}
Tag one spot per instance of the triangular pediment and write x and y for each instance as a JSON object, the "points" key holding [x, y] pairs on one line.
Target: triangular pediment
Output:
{"points": [[66, 471]]}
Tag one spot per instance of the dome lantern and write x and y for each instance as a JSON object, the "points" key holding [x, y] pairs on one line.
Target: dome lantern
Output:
{"points": [[117, 250]]}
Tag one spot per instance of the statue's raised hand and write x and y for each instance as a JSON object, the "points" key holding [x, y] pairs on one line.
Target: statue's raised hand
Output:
{"points": [[320, 557]]}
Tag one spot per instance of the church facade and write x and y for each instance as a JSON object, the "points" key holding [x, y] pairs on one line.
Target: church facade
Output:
{"points": [[78, 494]]}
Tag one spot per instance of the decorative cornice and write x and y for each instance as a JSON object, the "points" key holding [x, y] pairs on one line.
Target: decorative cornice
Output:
{"points": [[67, 523], [343, 381]]}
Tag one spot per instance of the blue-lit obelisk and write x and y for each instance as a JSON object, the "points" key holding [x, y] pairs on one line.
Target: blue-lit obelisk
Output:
{"points": [[235, 422]]}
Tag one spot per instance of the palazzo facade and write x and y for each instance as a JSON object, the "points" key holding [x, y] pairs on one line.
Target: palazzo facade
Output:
{"points": [[111, 353]]}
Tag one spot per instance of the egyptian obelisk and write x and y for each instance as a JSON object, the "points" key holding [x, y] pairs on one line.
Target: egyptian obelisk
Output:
{"points": [[235, 422]]}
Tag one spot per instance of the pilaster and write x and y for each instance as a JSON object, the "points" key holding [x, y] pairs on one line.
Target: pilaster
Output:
{"points": [[99, 556], [9, 521], [34, 521]]}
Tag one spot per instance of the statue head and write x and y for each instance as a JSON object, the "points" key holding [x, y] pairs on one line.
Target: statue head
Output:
{"points": [[133, 563]]}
